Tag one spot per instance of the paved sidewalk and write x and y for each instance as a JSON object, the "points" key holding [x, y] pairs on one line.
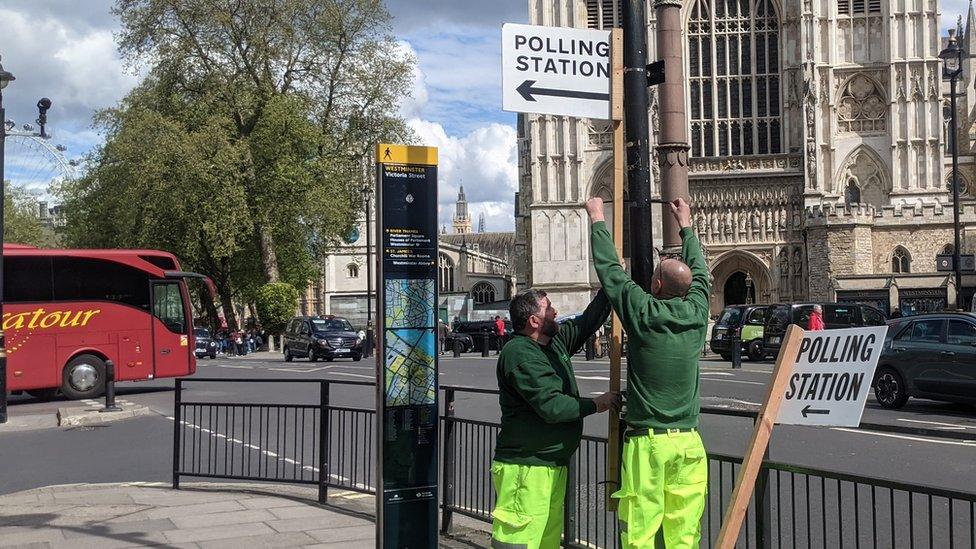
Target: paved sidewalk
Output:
{"points": [[206, 515]]}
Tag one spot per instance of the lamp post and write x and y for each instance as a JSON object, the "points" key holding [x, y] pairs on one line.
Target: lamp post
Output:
{"points": [[5, 78], [368, 346], [952, 69]]}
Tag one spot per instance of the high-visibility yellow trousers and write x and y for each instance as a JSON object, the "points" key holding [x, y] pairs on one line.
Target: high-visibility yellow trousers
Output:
{"points": [[663, 484], [528, 510]]}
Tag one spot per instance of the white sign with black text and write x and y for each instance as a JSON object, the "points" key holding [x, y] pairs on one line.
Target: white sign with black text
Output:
{"points": [[556, 70], [832, 377]]}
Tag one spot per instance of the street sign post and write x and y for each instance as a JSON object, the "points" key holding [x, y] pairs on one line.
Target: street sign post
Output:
{"points": [[406, 361], [820, 378], [556, 70], [832, 377]]}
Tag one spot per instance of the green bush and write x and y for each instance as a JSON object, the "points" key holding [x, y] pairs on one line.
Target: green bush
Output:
{"points": [[276, 304]]}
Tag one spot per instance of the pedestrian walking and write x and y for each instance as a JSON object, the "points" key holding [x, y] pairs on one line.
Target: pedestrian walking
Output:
{"points": [[442, 331], [664, 469], [542, 419], [816, 322], [499, 333]]}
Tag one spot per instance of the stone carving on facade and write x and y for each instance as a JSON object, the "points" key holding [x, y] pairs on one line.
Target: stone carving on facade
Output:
{"points": [[934, 93], [917, 93], [862, 107], [900, 84]]}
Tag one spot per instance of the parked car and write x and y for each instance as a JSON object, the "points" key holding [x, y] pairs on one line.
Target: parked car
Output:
{"points": [[835, 315], [745, 322], [327, 337], [466, 341], [476, 330], [205, 346], [931, 356]]}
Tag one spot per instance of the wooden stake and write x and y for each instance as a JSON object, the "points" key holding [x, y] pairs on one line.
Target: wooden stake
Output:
{"points": [[616, 338], [735, 514]]}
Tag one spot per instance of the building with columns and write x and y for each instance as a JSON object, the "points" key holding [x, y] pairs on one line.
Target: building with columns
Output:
{"points": [[818, 159], [476, 274]]}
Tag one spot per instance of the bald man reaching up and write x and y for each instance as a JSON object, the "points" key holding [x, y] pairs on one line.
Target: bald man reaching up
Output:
{"points": [[664, 472]]}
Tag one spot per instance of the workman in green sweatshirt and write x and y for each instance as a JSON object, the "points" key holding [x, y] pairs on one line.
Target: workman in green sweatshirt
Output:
{"points": [[664, 473], [542, 419]]}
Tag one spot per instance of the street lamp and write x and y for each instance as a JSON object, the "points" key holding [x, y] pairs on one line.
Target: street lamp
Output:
{"points": [[5, 78], [952, 69], [367, 191]]}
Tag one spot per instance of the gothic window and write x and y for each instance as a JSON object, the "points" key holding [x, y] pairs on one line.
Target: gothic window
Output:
{"points": [[963, 186], [946, 127], [858, 7], [734, 72], [864, 173], [602, 14], [901, 262], [352, 270], [483, 292], [446, 270], [862, 107], [852, 194]]}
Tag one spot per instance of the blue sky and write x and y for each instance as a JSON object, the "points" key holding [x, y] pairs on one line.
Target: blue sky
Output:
{"points": [[64, 49]]}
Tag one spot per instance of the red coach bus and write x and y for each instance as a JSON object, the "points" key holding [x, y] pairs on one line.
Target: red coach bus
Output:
{"points": [[65, 312]]}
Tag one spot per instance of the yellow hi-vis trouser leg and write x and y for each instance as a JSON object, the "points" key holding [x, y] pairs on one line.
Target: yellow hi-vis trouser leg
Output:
{"points": [[663, 483], [528, 510]]}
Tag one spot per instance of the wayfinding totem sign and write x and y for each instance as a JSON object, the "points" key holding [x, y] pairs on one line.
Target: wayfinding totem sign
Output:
{"points": [[406, 358]]}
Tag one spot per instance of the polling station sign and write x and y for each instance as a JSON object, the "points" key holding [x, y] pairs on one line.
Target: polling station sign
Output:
{"points": [[832, 377], [556, 70]]}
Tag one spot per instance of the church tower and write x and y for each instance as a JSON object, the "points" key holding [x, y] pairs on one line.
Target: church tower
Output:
{"points": [[462, 219]]}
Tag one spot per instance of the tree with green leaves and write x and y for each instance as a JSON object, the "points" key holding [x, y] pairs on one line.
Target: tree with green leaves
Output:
{"points": [[21, 219], [243, 150]]}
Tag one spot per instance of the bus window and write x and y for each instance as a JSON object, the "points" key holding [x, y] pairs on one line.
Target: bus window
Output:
{"points": [[168, 306], [83, 279], [27, 279]]}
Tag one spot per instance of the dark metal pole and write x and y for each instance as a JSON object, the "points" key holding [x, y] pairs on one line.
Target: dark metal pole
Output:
{"points": [[110, 388], [324, 432], [368, 350], [638, 146], [177, 432], [3, 345], [955, 195], [447, 513]]}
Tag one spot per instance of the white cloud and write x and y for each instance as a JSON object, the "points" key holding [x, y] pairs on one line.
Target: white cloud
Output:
{"points": [[485, 162], [411, 106]]}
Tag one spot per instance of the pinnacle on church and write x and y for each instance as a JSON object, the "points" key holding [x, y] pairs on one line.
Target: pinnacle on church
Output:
{"points": [[462, 219], [481, 222], [969, 43]]}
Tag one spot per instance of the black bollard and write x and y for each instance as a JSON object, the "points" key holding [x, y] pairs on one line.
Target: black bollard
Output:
{"points": [[110, 388], [457, 348], [484, 344], [736, 350], [590, 348]]}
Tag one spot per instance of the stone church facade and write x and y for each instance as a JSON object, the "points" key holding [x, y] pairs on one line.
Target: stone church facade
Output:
{"points": [[818, 165]]}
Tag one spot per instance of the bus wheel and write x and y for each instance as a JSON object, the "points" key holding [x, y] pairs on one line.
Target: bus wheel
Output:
{"points": [[83, 377], [43, 394]]}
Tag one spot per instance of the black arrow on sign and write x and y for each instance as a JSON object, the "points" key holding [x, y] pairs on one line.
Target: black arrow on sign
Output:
{"points": [[808, 410], [527, 90]]}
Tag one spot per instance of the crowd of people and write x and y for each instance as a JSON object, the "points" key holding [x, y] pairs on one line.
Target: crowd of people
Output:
{"points": [[240, 342]]}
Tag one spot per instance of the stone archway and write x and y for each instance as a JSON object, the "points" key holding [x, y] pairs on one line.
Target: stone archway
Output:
{"points": [[730, 272]]}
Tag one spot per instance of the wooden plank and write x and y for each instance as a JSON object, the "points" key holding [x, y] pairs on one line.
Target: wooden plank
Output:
{"points": [[616, 334], [735, 514], [617, 74]]}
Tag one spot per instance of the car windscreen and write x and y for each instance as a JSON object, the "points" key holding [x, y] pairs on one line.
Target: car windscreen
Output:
{"points": [[201, 332], [332, 325], [840, 315], [731, 316], [779, 317]]}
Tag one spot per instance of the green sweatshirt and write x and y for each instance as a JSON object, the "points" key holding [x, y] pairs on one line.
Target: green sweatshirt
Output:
{"points": [[664, 336], [542, 412]]}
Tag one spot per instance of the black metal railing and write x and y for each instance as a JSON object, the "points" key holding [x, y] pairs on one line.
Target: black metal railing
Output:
{"points": [[275, 442], [792, 506]]}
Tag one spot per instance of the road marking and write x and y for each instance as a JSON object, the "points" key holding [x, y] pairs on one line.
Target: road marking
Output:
{"points": [[711, 373], [968, 443], [949, 425], [353, 375], [296, 370], [733, 381], [237, 367], [594, 378]]}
